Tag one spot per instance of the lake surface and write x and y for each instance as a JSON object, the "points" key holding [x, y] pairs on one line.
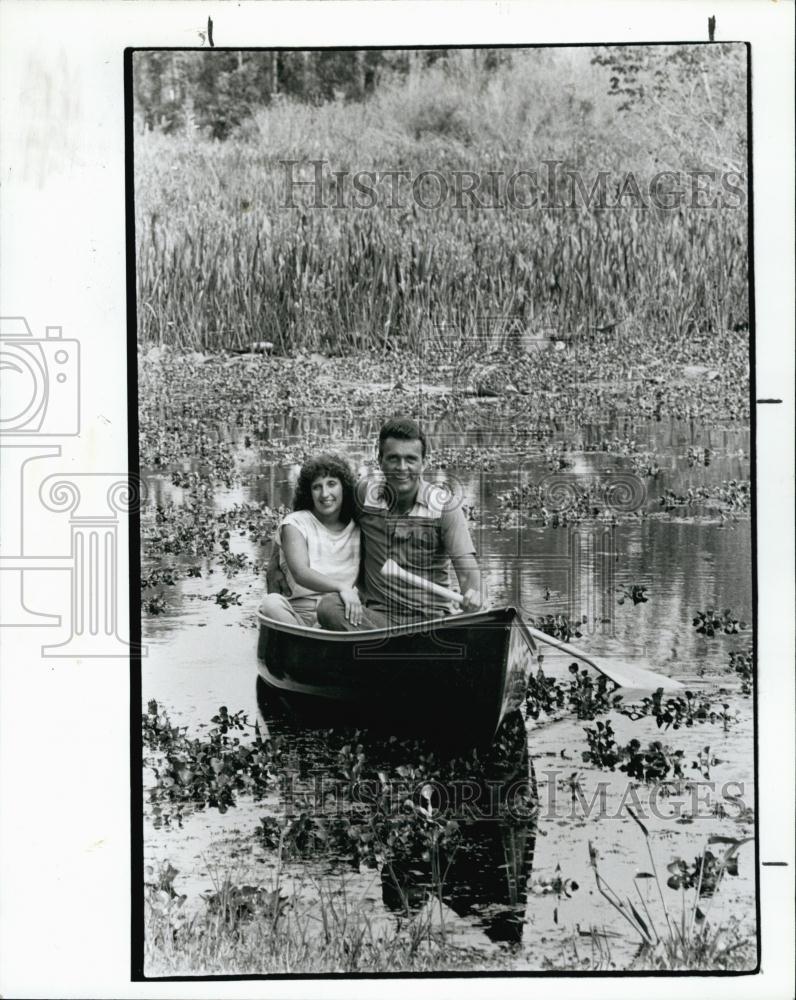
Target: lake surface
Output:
{"points": [[517, 881]]}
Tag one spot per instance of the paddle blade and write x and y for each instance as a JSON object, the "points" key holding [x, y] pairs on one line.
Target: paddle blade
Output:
{"points": [[632, 678]]}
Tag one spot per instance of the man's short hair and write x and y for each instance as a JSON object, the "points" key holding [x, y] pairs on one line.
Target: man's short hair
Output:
{"points": [[403, 429]]}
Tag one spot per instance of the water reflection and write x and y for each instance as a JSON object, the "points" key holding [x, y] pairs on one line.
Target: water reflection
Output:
{"points": [[202, 655], [485, 874], [455, 833]]}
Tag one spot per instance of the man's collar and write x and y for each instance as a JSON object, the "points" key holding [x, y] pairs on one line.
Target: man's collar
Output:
{"points": [[422, 498], [377, 495], [423, 493]]}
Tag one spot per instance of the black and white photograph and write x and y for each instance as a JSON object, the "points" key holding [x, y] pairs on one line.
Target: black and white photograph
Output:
{"points": [[446, 554], [397, 519]]}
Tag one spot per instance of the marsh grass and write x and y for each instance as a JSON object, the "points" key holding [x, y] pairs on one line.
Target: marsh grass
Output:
{"points": [[247, 929], [686, 939], [253, 930], [222, 262]]}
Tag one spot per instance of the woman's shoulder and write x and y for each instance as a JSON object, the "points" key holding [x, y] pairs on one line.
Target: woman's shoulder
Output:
{"points": [[308, 524], [301, 519]]}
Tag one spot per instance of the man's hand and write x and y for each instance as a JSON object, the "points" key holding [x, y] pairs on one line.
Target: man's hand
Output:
{"points": [[471, 600], [470, 583], [275, 579]]}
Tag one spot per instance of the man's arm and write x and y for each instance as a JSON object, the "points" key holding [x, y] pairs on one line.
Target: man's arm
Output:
{"points": [[469, 577], [459, 546]]}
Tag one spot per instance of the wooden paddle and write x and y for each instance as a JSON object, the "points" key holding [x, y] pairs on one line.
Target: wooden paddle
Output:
{"points": [[626, 675]]}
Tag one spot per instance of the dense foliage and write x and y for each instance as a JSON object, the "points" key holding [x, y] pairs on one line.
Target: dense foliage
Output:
{"points": [[255, 238]]}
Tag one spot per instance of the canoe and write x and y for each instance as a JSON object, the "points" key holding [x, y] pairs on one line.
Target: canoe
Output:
{"points": [[453, 678]]}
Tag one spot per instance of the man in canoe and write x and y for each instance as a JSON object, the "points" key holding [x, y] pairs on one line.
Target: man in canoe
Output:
{"points": [[418, 525]]}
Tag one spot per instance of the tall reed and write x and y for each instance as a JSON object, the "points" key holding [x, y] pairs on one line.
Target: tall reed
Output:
{"points": [[221, 261]]}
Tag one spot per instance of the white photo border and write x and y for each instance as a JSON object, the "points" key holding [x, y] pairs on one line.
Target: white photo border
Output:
{"points": [[64, 722]]}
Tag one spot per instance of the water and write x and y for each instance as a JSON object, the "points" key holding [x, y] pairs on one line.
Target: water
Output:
{"points": [[508, 880]]}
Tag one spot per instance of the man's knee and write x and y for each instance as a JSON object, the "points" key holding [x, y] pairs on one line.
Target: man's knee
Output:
{"points": [[331, 613]]}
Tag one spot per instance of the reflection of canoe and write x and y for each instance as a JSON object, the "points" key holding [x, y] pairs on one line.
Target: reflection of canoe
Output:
{"points": [[485, 877], [485, 871], [453, 678]]}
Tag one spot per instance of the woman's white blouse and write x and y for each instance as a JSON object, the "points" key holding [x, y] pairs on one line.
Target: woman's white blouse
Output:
{"points": [[334, 554]]}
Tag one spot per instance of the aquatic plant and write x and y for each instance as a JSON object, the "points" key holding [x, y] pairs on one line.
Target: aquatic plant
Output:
{"points": [[705, 760], [556, 458], [197, 773], [653, 763], [650, 764], [703, 873], [603, 750], [164, 576], [155, 605], [584, 501], [742, 664], [194, 528], [677, 710], [236, 905], [619, 446], [585, 695], [645, 464], [698, 456], [297, 834], [467, 457], [733, 496], [559, 886], [687, 940], [558, 626], [544, 694], [590, 696], [226, 598], [635, 592], [710, 623], [203, 423]]}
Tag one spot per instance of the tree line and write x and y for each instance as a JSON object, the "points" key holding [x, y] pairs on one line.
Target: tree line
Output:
{"points": [[213, 91]]}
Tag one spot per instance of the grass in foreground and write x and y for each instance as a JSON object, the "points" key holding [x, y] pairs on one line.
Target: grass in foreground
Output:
{"points": [[685, 940], [244, 929]]}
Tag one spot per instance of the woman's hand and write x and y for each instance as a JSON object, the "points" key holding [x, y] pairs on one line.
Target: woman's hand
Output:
{"points": [[353, 605]]}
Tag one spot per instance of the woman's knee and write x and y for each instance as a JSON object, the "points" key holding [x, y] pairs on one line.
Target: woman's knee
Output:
{"points": [[276, 606]]}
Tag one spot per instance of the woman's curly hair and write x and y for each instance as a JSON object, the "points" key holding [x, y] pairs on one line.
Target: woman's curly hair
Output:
{"points": [[325, 464]]}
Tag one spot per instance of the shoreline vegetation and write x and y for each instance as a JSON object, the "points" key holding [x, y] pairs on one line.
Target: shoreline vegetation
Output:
{"points": [[248, 929], [223, 261]]}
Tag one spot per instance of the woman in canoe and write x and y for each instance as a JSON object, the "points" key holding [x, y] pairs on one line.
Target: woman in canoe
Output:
{"points": [[318, 544]]}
